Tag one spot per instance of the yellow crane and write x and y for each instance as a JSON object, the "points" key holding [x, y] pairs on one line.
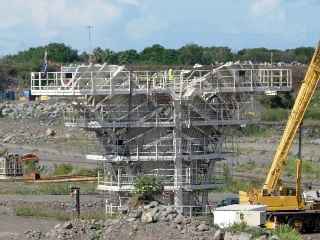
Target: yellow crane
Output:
{"points": [[283, 204]]}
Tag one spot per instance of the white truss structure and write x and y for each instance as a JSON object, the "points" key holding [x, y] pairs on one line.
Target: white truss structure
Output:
{"points": [[165, 123]]}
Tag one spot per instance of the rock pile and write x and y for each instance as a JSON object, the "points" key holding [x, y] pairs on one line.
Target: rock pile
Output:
{"points": [[149, 222], [33, 110], [78, 229]]}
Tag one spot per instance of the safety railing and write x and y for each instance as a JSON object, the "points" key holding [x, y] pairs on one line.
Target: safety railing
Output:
{"points": [[165, 147], [167, 177], [10, 166], [228, 79]]}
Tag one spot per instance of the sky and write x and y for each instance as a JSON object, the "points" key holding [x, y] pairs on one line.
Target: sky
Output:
{"points": [[136, 24]]}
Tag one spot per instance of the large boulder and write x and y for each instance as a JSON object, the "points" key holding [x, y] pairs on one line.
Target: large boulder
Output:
{"points": [[203, 227], [151, 215], [218, 235], [179, 219]]}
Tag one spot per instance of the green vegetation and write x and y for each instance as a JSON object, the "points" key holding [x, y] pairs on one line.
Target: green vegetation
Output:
{"points": [[156, 54], [247, 166], [62, 169], [65, 169], [281, 100], [34, 166], [313, 111], [310, 169], [61, 215], [255, 131], [147, 187], [275, 114], [85, 172], [21, 188], [243, 227], [284, 232], [235, 185], [277, 108], [38, 212]]}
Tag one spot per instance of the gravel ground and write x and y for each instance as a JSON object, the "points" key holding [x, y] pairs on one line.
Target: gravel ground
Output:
{"points": [[13, 227]]}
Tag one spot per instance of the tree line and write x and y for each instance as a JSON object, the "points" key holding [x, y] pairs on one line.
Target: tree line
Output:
{"points": [[19, 65]]}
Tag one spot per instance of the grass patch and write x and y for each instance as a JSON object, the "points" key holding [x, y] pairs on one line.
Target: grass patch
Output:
{"points": [[245, 167], [275, 114], [255, 131], [235, 185], [41, 212], [87, 172], [21, 188], [38, 212], [313, 111], [62, 169], [310, 169]]}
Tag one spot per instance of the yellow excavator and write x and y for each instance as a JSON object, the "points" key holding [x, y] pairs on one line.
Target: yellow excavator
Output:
{"points": [[285, 205]]}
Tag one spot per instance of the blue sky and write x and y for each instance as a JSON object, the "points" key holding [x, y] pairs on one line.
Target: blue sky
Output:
{"points": [[125, 24]]}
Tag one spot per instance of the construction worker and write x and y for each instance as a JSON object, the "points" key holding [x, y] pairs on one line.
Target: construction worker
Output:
{"points": [[170, 73]]}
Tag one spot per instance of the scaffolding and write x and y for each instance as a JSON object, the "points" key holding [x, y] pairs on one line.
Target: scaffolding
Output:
{"points": [[10, 166], [167, 124]]}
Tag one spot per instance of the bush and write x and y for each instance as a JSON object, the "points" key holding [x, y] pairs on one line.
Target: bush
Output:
{"points": [[146, 187], [284, 232]]}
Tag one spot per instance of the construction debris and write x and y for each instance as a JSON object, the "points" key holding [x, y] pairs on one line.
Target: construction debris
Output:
{"points": [[166, 224]]}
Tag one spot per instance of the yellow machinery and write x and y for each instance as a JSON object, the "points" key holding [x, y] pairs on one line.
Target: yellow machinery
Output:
{"points": [[273, 194]]}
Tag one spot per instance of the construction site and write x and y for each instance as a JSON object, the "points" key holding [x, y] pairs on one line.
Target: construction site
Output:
{"points": [[155, 120], [170, 124]]}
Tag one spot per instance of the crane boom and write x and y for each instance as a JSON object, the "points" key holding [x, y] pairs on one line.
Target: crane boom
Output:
{"points": [[302, 101]]}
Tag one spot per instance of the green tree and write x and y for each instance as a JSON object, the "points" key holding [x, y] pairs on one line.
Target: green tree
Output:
{"points": [[216, 54], [303, 54], [153, 55], [254, 54], [98, 55], [128, 57], [190, 54]]}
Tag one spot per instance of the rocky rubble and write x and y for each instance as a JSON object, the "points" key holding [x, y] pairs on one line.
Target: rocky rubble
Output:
{"points": [[149, 222], [33, 110]]}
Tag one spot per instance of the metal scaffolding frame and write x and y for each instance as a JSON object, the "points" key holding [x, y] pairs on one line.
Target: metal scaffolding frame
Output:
{"points": [[166, 124]]}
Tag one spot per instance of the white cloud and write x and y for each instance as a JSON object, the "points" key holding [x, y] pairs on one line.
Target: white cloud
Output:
{"points": [[131, 2], [264, 7], [53, 15]]}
